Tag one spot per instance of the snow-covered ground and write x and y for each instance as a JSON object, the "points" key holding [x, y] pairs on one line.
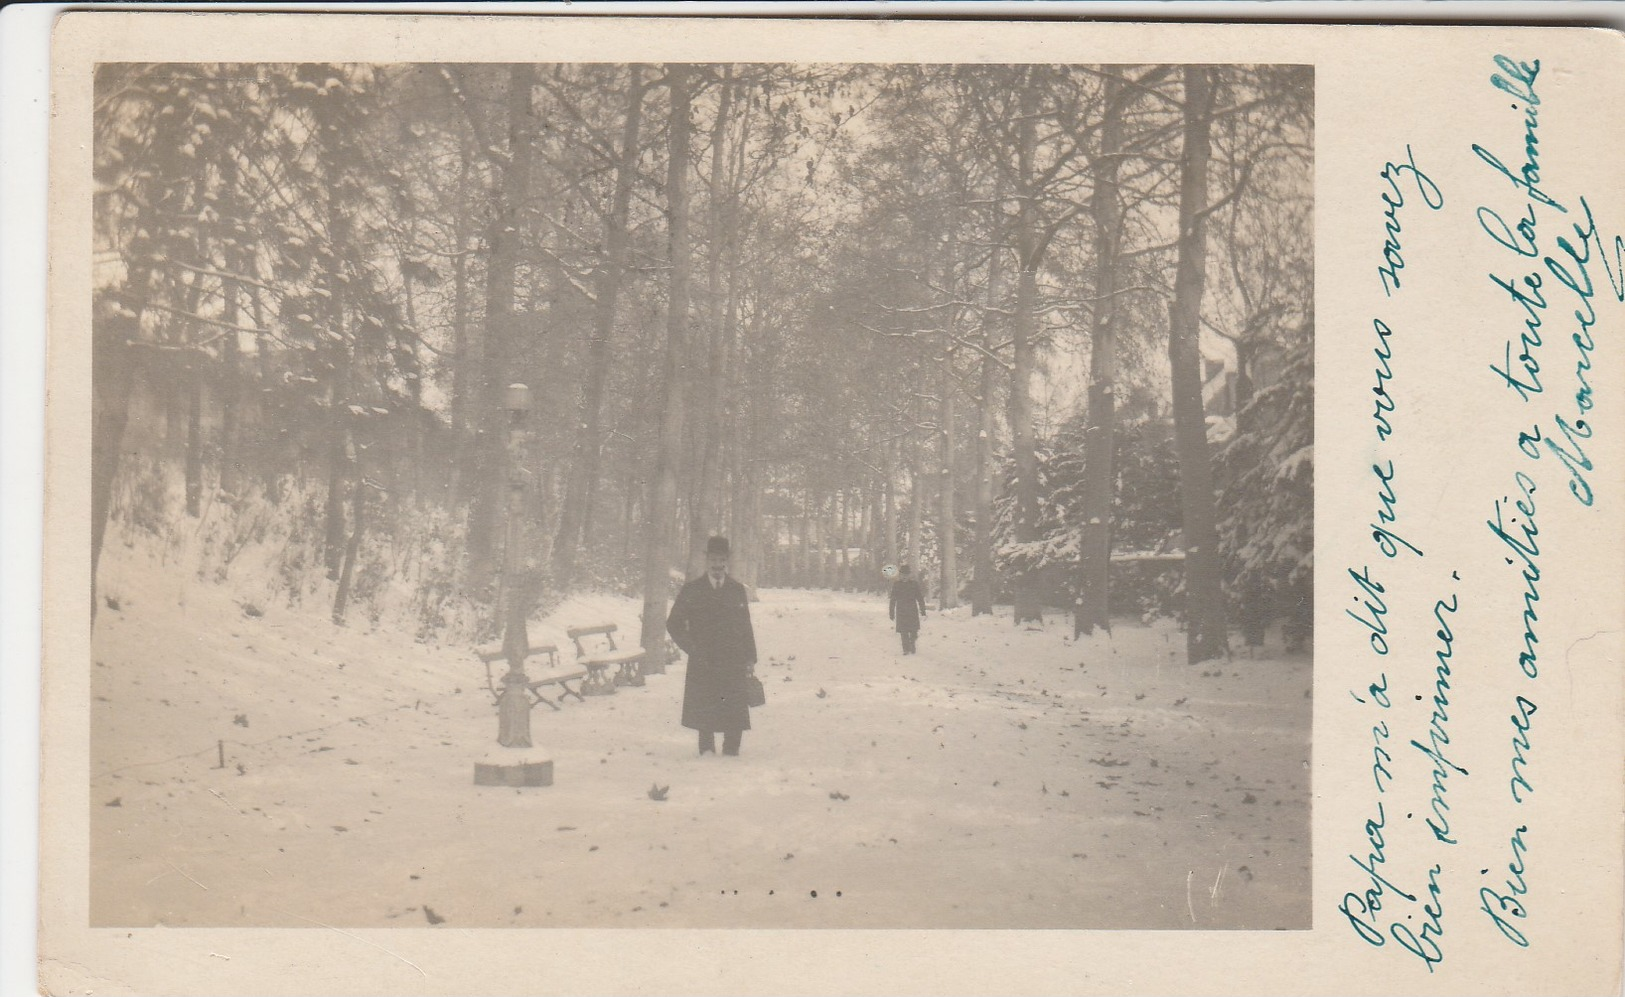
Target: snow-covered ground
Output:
{"points": [[1002, 777]]}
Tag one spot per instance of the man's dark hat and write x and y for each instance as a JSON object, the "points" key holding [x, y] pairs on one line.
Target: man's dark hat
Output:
{"points": [[717, 545]]}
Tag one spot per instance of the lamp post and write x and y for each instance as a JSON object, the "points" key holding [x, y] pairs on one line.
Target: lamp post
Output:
{"points": [[517, 763]]}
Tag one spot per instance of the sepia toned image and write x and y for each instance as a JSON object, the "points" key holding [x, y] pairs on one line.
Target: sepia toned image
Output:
{"points": [[830, 504], [701, 495]]}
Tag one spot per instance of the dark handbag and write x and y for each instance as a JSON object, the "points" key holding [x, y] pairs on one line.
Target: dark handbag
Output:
{"points": [[755, 695]]}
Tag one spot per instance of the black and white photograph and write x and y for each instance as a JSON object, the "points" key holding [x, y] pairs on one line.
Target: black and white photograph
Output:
{"points": [[708, 495]]}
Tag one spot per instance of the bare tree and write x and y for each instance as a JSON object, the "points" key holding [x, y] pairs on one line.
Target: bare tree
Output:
{"points": [[1204, 600], [662, 506], [587, 457]]}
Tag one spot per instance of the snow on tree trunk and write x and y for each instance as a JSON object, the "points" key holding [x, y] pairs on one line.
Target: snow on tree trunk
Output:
{"points": [[1205, 636]]}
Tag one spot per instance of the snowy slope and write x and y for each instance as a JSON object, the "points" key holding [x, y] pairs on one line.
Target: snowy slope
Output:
{"points": [[1001, 778]]}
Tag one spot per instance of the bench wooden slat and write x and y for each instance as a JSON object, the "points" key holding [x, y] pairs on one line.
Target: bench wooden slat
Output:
{"points": [[555, 679], [618, 658], [489, 654], [602, 628]]}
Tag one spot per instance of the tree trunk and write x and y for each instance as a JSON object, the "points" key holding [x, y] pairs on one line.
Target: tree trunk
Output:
{"points": [[230, 405], [663, 480], [746, 529], [875, 544], [190, 393], [946, 539], [358, 511], [588, 444], [504, 239], [231, 362], [112, 364], [1246, 352], [1092, 608], [263, 371], [194, 435], [916, 500], [1025, 329], [804, 571], [338, 432], [465, 363], [840, 558], [890, 470], [731, 466], [982, 583], [830, 534], [705, 496], [631, 487], [1204, 604], [819, 544], [822, 533], [416, 456]]}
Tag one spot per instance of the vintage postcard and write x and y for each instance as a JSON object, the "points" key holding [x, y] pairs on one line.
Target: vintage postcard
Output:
{"points": [[553, 504]]}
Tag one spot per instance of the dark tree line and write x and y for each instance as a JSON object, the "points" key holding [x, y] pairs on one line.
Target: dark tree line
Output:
{"points": [[848, 315]]}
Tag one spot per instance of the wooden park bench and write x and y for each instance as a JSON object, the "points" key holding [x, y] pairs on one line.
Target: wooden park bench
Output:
{"points": [[598, 656], [488, 655]]}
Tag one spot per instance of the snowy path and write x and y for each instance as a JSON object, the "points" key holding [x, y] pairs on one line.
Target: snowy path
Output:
{"points": [[999, 778]]}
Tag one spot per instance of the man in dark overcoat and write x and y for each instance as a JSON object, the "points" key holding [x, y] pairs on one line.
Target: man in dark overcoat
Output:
{"points": [[710, 621], [907, 606]]}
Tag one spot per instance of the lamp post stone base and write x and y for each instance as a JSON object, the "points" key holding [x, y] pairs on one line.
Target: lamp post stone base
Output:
{"points": [[520, 769]]}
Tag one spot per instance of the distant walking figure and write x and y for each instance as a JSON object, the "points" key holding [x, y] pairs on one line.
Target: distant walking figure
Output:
{"points": [[710, 621], [907, 606]]}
